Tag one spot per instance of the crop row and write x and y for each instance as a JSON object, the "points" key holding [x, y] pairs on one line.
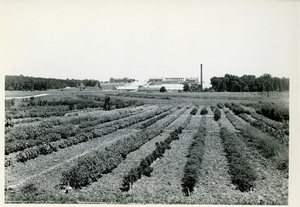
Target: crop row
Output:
{"points": [[144, 167], [267, 146], [237, 109], [84, 136], [242, 174], [90, 167], [136, 118], [23, 137], [194, 160], [279, 133], [234, 121]]}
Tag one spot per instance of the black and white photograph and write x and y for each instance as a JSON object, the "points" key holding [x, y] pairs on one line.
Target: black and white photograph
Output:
{"points": [[150, 102]]}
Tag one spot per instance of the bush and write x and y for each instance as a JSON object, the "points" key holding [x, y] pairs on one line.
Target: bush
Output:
{"points": [[220, 105], [162, 89], [217, 114], [204, 111], [194, 111], [228, 105]]}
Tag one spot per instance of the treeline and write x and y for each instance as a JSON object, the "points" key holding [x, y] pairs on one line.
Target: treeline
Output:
{"points": [[121, 80], [25, 83], [249, 83]]}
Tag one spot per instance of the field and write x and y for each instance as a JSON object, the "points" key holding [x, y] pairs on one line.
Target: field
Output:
{"points": [[94, 146]]}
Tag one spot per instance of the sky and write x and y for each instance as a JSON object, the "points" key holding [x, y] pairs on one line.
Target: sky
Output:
{"points": [[100, 39]]}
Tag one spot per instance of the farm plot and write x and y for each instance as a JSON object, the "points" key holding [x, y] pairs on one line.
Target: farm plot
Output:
{"points": [[58, 161], [150, 146]]}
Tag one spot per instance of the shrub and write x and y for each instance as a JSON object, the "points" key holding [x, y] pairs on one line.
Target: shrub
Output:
{"points": [[217, 114], [194, 111], [162, 89], [204, 111], [227, 105], [220, 105]]}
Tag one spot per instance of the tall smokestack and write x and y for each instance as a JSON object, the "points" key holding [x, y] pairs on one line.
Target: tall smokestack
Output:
{"points": [[201, 79]]}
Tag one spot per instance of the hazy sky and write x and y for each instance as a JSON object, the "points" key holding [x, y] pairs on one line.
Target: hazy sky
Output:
{"points": [[141, 38]]}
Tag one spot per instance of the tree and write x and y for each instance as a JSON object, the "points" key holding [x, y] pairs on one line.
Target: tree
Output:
{"points": [[186, 87], [162, 89]]}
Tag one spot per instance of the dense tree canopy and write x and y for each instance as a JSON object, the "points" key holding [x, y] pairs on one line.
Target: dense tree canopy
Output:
{"points": [[31, 83], [249, 83]]}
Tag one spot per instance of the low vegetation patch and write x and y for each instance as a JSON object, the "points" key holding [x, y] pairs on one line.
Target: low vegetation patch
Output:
{"points": [[194, 111], [204, 111], [242, 174], [268, 146], [194, 160], [217, 114], [275, 112]]}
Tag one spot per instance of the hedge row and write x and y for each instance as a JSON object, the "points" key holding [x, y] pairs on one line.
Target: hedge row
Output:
{"points": [[242, 174], [84, 136], [237, 109], [36, 136], [270, 122], [279, 133], [90, 167], [266, 145], [275, 112], [144, 168], [194, 160], [234, 121]]}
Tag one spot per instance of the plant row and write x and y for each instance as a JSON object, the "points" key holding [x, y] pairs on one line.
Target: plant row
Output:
{"points": [[275, 112], [237, 109], [234, 121], [90, 167], [194, 160], [144, 167], [33, 152], [242, 174], [279, 133], [267, 146], [23, 137]]}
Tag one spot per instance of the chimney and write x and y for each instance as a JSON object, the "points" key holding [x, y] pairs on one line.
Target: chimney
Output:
{"points": [[201, 77]]}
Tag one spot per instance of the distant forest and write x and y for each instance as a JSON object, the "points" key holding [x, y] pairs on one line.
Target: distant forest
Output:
{"points": [[24, 83], [249, 83]]}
